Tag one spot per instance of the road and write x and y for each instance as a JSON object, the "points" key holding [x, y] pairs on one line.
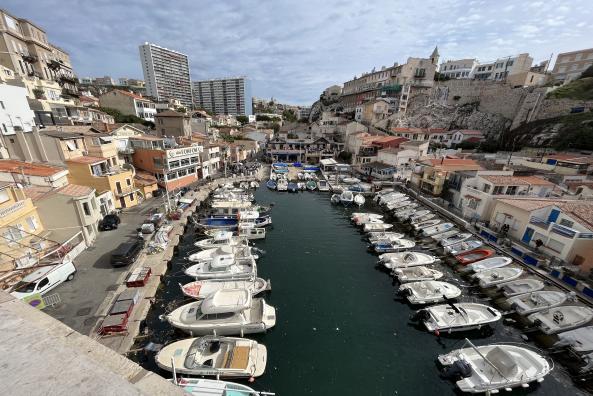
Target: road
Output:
{"points": [[96, 278]]}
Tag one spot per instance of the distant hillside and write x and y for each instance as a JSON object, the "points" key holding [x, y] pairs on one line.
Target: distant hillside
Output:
{"points": [[581, 89]]}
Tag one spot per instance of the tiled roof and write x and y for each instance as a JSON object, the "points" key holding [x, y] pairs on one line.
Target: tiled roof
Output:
{"points": [[450, 164], [75, 190], [72, 190], [517, 180], [86, 160], [37, 192], [419, 130], [62, 135], [528, 204], [127, 93], [578, 159], [582, 211], [171, 113], [29, 168], [144, 179], [469, 132]]}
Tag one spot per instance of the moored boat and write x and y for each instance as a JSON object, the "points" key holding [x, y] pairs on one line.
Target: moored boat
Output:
{"points": [[359, 199], [527, 303], [521, 286], [436, 229], [396, 245], [473, 256], [416, 274], [562, 318], [456, 317], [384, 236], [463, 247], [406, 259], [311, 185], [489, 263], [282, 185], [335, 199], [202, 289], [223, 268], [271, 184], [455, 239], [429, 292], [426, 224], [372, 227], [203, 386], [495, 276], [323, 185], [346, 197]]}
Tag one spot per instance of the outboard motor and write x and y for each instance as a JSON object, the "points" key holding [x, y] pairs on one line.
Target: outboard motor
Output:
{"points": [[458, 370], [420, 315], [405, 292]]}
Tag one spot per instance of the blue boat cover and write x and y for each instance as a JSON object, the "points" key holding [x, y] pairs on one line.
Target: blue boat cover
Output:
{"points": [[297, 164], [282, 164]]}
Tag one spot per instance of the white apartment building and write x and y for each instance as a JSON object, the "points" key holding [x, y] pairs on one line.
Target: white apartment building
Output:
{"points": [[570, 65], [129, 103], [459, 69], [501, 68], [15, 114], [166, 73], [231, 96], [303, 112]]}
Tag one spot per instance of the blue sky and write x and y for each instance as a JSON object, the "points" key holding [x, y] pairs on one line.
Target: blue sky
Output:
{"points": [[293, 50]]}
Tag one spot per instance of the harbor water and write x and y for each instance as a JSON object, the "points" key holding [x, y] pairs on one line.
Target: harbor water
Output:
{"points": [[341, 329]]}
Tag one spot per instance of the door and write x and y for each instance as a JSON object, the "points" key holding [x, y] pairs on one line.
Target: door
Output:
{"points": [[122, 202], [43, 286], [528, 235], [118, 187], [553, 215]]}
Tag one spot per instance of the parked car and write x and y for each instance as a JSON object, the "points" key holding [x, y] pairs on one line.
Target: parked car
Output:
{"points": [[147, 228], [109, 222], [126, 253], [157, 219], [44, 279]]}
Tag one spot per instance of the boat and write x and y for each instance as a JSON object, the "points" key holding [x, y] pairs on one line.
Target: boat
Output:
{"points": [[384, 236], [404, 206], [474, 255], [429, 292], [426, 224], [406, 259], [202, 289], [562, 318], [302, 186], [422, 218], [495, 276], [396, 245], [323, 185], [224, 357], [223, 267], [271, 184], [292, 187], [372, 227], [418, 213], [252, 233], [391, 197], [208, 387], [491, 368], [527, 303], [220, 239], [361, 221], [454, 317], [578, 340], [254, 184], [489, 263], [224, 312], [335, 199], [437, 229], [282, 185], [346, 197], [359, 199], [463, 247], [521, 286], [446, 234], [455, 239], [311, 185], [398, 204], [351, 180], [416, 274], [357, 217], [240, 251]]}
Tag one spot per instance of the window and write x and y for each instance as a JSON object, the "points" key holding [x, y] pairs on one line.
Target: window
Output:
{"points": [[486, 188], [6, 130], [511, 190], [32, 223], [4, 196], [128, 182], [86, 208], [472, 204], [131, 197], [43, 283], [566, 223], [2, 105], [555, 245], [497, 190]]}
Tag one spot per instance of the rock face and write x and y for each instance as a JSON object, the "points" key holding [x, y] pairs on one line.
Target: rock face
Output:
{"points": [[323, 105]]}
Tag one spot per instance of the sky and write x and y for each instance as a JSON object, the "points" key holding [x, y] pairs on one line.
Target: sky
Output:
{"points": [[293, 50]]}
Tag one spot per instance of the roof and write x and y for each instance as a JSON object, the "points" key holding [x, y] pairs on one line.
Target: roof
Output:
{"points": [[144, 179], [86, 160], [419, 130], [62, 135], [146, 137], [576, 158], [71, 190], [171, 113], [414, 143], [528, 204], [469, 132], [450, 164], [376, 165], [75, 190], [517, 180], [582, 211], [127, 93], [29, 168]]}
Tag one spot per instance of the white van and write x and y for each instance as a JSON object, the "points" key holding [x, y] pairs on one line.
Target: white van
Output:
{"points": [[44, 279]]}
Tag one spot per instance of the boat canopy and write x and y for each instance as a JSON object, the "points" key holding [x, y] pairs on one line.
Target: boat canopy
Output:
{"points": [[222, 236], [222, 261], [503, 362], [280, 164], [248, 214], [226, 300]]}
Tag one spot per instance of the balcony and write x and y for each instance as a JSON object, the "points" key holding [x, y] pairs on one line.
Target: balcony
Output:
{"points": [[29, 58], [125, 150], [564, 231], [541, 223]]}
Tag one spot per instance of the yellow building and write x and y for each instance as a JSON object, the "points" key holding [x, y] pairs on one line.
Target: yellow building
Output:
{"points": [[20, 230], [96, 172]]}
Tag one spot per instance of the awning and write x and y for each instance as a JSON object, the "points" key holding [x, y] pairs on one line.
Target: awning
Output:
{"points": [[188, 201], [472, 197]]}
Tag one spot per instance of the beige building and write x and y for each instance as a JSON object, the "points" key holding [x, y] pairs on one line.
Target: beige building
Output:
{"points": [[129, 103], [371, 112], [459, 69], [502, 68], [173, 123], [527, 79], [570, 65]]}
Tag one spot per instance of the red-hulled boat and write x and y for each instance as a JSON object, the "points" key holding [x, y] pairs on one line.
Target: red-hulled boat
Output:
{"points": [[474, 255]]}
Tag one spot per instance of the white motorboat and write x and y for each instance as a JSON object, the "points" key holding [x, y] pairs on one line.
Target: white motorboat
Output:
{"points": [[346, 197], [463, 247], [455, 317], [240, 251], [224, 312], [252, 233], [426, 224], [374, 227], [406, 259], [404, 213], [361, 221], [578, 340], [254, 184], [429, 292], [562, 318], [282, 185], [202, 289], [207, 387], [301, 186], [422, 218], [491, 368], [397, 245], [351, 180], [384, 236], [357, 216], [446, 234], [359, 199], [223, 267], [527, 303], [383, 193], [224, 357], [221, 239], [495, 276], [322, 185], [335, 199], [398, 204], [418, 213], [405, 207], [520, 286], [416, 274], [392, 197], [489, 263], [455, 239], [436, 229]]}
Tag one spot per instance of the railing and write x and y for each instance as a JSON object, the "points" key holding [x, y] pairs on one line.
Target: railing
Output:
{"points": [[564, 231], [122, 192], [536, 221]]}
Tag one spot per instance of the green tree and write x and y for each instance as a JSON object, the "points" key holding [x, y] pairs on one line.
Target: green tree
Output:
{"points": [[181, 109], [126, 118], [289, 115], [243, 119], [276, 127], [261, 117]]}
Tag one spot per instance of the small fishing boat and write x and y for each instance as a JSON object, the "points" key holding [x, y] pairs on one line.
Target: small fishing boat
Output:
{"points": [[372, 227], [220, 239], [292, 187], [346, 197], [391, 197], [398, 204], [360, 222], [202, 289], [416, 274], [375, 237], [492, 277], [254, 184], [271, 184], [579, 340], [446, 234], [223, 267], [406, 259], [311, 185], [404, 213], [359, 199], [203, 387], [363, 215], [422, 218], [351, 180], [436, 229], [240, 251], [335, 199], [418, 213], [282, 185], [527, 303], [463, 247], [302, 186], [396, 245], [429, 292], [323, 185], [457, 238], [225, 357], [474, 255], [426, 224], [454, 317], [521, 286], [489, 263], [252, 233], [491, 368], [562, 318]]}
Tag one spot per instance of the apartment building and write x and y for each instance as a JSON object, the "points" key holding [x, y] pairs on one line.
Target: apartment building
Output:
{"points": [[303, 112], [32, 174], [172, 123], [459, 69], [502, 68], [129, 103], [15, 114], [224, 96], [166, 73], [104, 81], [430, 175], [302, 150], [570, 65], [371, 112]]}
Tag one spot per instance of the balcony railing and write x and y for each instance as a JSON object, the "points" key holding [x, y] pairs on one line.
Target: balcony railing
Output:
{"points": [[122, 192], [541, 223], [564, 231]]}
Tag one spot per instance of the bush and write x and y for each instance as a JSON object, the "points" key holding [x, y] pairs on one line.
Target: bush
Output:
{"points": [[242, 119], [456, 97]]}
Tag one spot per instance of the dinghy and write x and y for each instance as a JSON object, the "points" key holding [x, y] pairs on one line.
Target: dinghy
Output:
{"points": [[473, 256], [311, 185], [463, 247], [351, 180], [335, 199], [271, 184], [220, 239], [491, 368], [562, 318], [489, 263], [406, 259], [302, 186], [202, 289], [521, 286], [492, 277], [416, 274], [372, 227], [527, 303], [375, 237], [421, 218], [426, 224], [323, 185], [397, 245], [292, 187], [206, 387], [359, 200], [346, 197], [225, 357], [578, 340], [455, 317], [446, 234], [282, 185], [223, 267], [457, 238], [429, 292]]}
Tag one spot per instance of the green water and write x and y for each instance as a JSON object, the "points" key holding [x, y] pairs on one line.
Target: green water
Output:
{"points": [[340, 328]]}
